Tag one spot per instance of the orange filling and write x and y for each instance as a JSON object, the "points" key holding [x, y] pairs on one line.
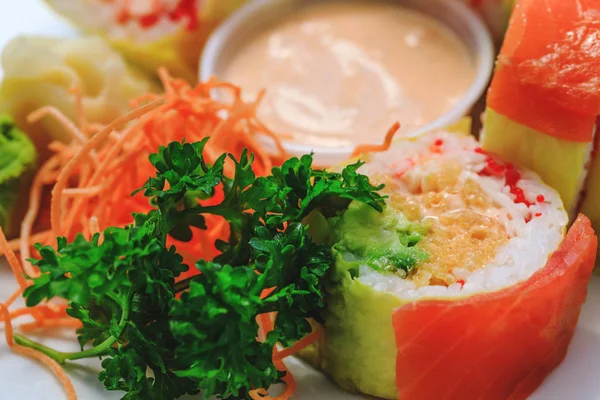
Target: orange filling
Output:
{"points": [[460, 234]]}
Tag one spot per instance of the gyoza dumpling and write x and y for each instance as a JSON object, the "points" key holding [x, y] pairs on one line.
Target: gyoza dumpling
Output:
{"points": [[41, 72]]}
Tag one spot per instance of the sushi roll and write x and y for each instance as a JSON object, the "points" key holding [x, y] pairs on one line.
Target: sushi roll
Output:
{"points": [[544, 98], [464, 287], [152, 34]]}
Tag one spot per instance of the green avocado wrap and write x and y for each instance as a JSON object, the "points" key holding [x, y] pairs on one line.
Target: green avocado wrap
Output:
{"points": [[459, 225]]}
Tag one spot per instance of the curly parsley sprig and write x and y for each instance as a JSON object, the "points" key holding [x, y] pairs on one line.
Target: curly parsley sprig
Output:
{"points": [[121, 284]]}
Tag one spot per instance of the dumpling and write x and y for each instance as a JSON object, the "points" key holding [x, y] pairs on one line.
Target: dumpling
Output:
{"points": [[152, 34], [42, 71]]}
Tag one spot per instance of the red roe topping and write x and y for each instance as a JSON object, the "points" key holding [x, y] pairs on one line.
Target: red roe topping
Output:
{"points": [[462, 282], [538, 214], [540, 198], [510, 174], [183, 10], [436, 146], [491, 167], [512, 178]]}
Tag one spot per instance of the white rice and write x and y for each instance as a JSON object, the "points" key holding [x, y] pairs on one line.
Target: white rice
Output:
{"points": [[529, 246]]}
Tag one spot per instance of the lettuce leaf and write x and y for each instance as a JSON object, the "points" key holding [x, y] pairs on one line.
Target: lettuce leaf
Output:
{"points": [[17, 164]]}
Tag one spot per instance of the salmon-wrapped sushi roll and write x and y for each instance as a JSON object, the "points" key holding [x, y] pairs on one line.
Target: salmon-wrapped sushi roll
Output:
{"points": [[460, 288], [544, 98]]}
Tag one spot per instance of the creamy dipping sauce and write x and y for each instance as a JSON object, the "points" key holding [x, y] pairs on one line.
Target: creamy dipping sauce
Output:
{"points": [[339, 74]]}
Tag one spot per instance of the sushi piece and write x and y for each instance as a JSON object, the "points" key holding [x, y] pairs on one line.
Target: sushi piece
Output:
{"points": [[496, 345], [545, 94], [152, 34], [18, 160], [439, 295]]}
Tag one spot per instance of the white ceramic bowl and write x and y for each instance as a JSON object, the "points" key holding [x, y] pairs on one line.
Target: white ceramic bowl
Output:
{"points": [[251, 19]]}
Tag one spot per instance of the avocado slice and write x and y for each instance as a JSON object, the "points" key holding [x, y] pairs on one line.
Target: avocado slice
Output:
{"points": [[358, 349], [359, 346], [560, 163]]}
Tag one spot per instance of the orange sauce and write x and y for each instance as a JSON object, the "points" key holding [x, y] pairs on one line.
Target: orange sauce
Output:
{"points": [[339, 74]]}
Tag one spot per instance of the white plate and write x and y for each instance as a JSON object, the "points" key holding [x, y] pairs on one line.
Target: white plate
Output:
{"points": [[23, 379], [575, 379]]}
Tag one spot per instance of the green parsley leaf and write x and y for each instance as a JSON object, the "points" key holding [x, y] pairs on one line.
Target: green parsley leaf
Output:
{"points": [[122, 284]]}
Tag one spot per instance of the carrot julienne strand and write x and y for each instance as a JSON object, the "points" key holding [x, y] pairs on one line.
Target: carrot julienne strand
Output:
{"points": [[13, 261], [15, 295], [61, 182], [299, 345], [58, 371], [65, 322], [15, 244], [374, 148]]}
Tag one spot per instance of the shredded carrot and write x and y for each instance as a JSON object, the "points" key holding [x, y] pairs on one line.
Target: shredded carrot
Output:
{"points": [[66, 322], [63, 177], [15, 244], [259, 394], [288, 379], [36, 355], [266, 323], [13, 261], [42, 312], [100, 186], [15, 295], [21, 311], [32, 213], [374, 148], [299, 345]]}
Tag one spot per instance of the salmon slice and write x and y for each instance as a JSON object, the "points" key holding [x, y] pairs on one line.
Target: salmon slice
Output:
{"points": [[548, 70], [498, 345]]}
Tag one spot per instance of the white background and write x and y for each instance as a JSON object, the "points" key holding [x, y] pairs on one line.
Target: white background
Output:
{"points": [[578, 378]]}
